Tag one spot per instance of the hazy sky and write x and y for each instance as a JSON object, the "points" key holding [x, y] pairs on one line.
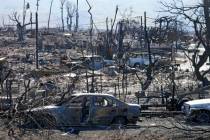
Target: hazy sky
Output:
{"points": [[101, 9]]}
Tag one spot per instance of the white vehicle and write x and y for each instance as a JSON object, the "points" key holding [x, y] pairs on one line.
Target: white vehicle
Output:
{"points": [[197, 110], [137, 60]]}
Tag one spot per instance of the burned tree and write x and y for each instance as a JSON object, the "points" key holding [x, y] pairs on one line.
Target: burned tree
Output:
{"points": [[150, 69], [48, 23], [62, 18], [110, 36], [107, 41], [4, 74], [71, 9], [165, 31], [198, 17], [21, 27], [91, 45], [77, 17]]}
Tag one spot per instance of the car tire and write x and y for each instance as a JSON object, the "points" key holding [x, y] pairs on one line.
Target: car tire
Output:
{"points": [[203, 117], [119, 121], [49, 122], [41, 121]]}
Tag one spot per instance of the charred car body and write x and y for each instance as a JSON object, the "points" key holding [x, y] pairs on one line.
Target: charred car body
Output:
{"points": [[85, 109], [197, 110]]}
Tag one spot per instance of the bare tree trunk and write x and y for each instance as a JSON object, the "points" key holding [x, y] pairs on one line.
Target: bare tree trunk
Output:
{"points": [[37, 42], [2, 88], [24, 12], [20, 32], [77, 17], [207, 18], [202, 32], [67, 23], [71, 9], [70, 23], [197, 72], [203, 59], [48, 24], [107, 40], [31, 20], [92, 49], [62, 19]]}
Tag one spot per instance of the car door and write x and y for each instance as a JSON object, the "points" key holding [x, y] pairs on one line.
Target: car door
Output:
{"points": [[78, 111], [103, 111], [72, 112]]}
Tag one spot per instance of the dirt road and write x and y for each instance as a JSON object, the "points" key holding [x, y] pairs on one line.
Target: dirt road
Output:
{"points": [[154, 128]]}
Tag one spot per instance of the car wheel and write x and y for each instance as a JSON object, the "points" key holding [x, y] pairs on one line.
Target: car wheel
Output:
{"points": [[49, 122], [119, 121], [203, 117], [41, 121]]}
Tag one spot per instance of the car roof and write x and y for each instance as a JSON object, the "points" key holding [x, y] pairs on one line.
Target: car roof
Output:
{"points": [[92, 94]]}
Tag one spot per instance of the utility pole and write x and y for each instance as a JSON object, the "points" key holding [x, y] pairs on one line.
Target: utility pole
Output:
{"points": [[160, 31], [37, 37], [146, 39], [107, 38], [87, 81], [120, 40], [24, 12], [173, 71], [173, 87], [141, 31], [31, 20], [77, 17], [91, 45], [62, 20], [121, 53], [176, 22]]}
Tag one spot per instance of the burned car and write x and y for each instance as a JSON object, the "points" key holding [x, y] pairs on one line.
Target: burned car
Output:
{"points": [[197, 110], [85, 109]]}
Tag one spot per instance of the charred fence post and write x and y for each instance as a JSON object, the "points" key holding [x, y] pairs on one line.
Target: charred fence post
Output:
{"points": [[141, 31], [37, 37], [87, 81], [115, 90], [118, 85], [101, 81], [173, 88]]}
